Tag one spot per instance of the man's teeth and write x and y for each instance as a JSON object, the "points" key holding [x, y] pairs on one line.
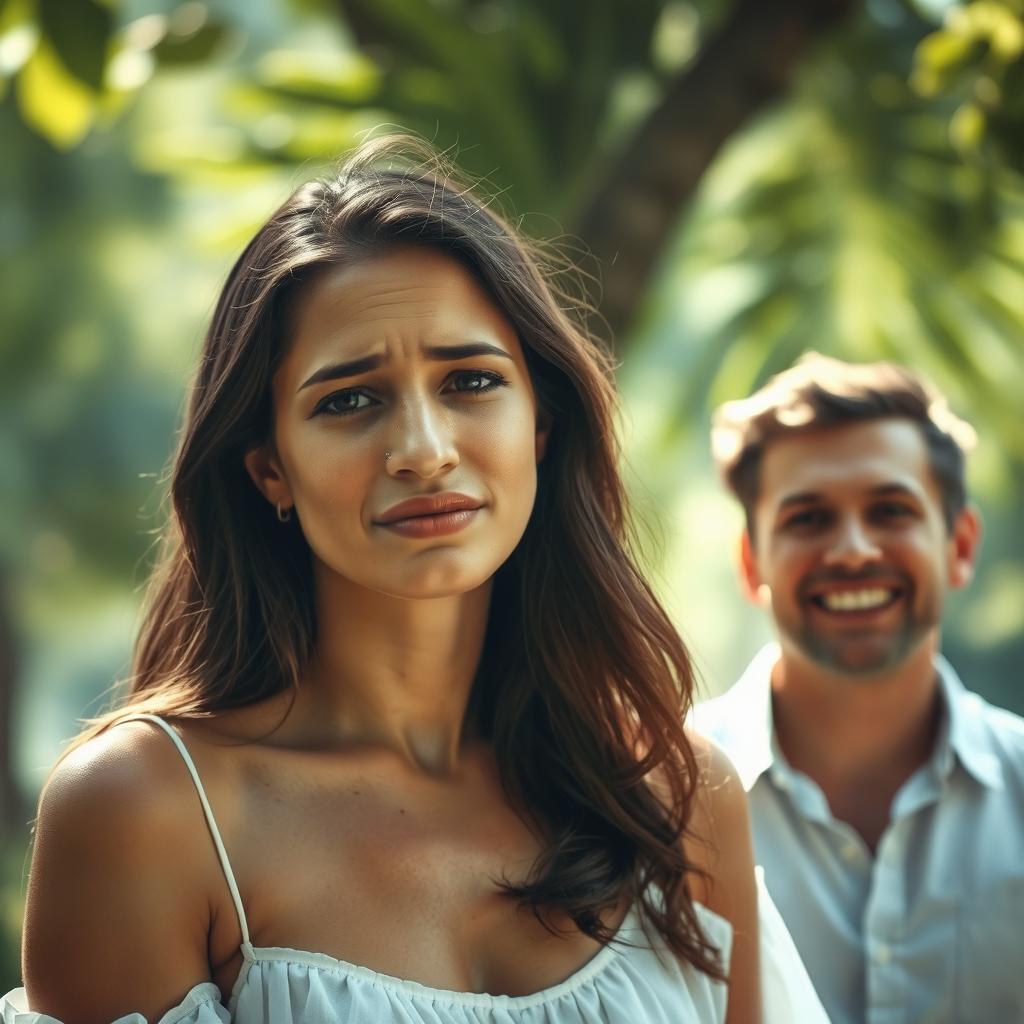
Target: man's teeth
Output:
{"points": [[856, 600]]}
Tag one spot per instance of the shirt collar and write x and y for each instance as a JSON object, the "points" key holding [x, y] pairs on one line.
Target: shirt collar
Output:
{"points": [[750, 721], [963, 734]]}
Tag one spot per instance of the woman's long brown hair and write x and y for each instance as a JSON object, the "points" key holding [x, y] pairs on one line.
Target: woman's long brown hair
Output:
{"points": [[584, 683]]}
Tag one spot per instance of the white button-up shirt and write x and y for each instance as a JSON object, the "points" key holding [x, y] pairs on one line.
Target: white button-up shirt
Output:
{"points": [[931, 928]]}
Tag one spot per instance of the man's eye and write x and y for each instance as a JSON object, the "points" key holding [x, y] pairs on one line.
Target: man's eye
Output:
{"points": [[806, 520], [342, 403], [893, 510], [477, 381]]}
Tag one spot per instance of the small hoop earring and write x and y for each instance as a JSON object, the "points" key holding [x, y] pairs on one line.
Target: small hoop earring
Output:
{"points": [[284, 515]]}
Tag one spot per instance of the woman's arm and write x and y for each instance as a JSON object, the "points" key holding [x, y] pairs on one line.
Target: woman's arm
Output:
{"points": [[723, 847], [118, 912]]}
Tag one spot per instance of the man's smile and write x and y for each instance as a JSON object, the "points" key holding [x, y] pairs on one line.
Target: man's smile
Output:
{"points": [[860, 599]]}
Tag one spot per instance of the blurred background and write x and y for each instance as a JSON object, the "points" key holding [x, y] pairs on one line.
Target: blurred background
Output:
{"points": [[745, 179]]}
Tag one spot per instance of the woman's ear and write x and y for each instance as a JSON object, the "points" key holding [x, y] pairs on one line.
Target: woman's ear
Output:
{"points": [[544, 423], [264, 468]]}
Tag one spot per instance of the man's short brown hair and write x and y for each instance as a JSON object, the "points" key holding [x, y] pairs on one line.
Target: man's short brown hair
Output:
{"points": [[820, 392]]}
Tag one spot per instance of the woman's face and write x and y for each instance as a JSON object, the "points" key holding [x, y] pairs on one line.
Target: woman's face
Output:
{"points": [[403, 383]]}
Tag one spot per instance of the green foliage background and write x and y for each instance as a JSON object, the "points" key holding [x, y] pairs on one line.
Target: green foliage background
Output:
{"points": [[874, 210]]}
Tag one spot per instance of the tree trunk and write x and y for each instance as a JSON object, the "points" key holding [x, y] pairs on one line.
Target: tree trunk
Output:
{"points": [[634, 209]]}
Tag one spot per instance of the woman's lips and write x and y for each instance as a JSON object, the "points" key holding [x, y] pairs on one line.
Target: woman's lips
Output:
{"points": [[431, 515], [437, 525], [427, 505]]}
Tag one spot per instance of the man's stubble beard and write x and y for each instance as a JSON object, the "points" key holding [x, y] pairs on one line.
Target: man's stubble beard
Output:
{"points": [[875, 651]]}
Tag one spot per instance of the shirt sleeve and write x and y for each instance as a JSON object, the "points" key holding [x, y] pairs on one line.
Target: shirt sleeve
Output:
{"points": [[202, 1005]]}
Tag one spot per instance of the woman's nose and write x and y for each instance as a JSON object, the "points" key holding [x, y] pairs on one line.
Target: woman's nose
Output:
{"points": [[423, 440]]}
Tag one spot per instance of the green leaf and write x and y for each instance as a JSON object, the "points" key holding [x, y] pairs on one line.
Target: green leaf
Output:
{"points": [[993, 21], [79, 31], [200, 45], [942, 55], [345, 78], [53, 102], [967, 128]]}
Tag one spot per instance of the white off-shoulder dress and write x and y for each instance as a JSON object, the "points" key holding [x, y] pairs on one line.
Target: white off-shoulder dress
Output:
{"points": [[632, 980]]}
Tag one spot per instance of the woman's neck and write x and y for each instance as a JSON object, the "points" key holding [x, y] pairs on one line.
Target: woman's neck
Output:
{"points": [[393, 672]]}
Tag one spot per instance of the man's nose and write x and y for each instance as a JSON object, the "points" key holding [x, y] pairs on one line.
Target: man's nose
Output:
{"points": [[852, 546], [423, 440]]}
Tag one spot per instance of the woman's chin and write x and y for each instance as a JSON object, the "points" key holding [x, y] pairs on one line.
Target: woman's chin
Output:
{"points": [[440, 585], [431, 582]]}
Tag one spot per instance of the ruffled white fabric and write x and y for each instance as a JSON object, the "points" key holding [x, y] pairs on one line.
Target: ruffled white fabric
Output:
{"points": [[202, 1005], [628, 981]]}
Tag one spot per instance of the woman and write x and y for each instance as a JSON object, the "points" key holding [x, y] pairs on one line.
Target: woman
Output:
{"points": [[398, 649]]}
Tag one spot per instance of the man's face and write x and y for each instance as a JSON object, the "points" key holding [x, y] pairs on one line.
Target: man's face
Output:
{"points": [[850, 545]]}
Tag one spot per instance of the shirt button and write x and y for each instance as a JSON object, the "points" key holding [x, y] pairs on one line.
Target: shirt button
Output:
{"points": [[851, 851], [883, 954]]}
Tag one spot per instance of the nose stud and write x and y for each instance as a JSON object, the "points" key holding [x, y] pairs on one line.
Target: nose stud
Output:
{"points": [[387, 455]]}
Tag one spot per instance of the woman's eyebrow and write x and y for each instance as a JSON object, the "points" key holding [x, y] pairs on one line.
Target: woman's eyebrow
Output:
{"points": [[437, 353], [335, 371], [473, 348]]}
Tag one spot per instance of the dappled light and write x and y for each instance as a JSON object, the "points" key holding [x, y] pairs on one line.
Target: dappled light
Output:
{"points": [[860, 194]]}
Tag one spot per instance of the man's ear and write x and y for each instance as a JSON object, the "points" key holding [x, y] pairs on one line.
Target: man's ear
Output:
{"points": [[754, 588], [964, 542], [264, 468], [544, 424]]}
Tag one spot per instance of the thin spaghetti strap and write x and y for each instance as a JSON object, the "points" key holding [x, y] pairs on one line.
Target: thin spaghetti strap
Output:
{"points": [[208, 811]]}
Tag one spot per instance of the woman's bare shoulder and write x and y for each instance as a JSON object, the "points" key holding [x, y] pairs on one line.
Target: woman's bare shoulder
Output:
{"points": [[718, 782], [118, 906], [720, 847], [128, 776], [719, 836]]}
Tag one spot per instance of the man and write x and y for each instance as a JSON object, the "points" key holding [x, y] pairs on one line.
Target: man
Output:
{"points": [[887, 801]]}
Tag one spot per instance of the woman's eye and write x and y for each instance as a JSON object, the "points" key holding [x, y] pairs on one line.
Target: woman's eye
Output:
{"points": [[341, 403], [477, 381]]}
